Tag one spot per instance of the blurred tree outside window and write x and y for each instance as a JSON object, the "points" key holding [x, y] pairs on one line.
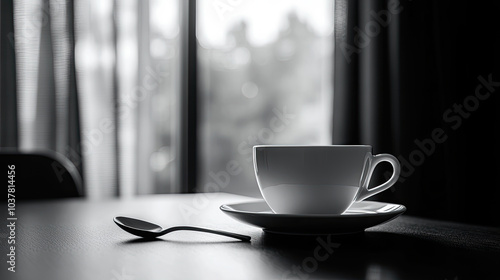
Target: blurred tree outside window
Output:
{"points": [[264, 77]]}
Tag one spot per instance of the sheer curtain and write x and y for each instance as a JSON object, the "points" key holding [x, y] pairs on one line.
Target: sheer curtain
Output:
{"points": [[97, 82]]}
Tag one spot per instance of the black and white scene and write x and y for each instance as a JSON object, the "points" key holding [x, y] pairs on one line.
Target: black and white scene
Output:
{"points": [[249, 139]]}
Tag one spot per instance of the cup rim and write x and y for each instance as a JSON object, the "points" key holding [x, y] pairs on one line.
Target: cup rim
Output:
{"points": [[311, 146]]}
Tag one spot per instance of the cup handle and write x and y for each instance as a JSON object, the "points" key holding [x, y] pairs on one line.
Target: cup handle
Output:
{"points": [[364, 192]]}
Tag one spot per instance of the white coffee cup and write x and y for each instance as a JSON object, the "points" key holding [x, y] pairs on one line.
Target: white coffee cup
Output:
{"points": [[317, 179]]}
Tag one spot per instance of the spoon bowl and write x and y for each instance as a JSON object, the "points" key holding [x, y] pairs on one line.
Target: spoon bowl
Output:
{"points": [[149, 230]]}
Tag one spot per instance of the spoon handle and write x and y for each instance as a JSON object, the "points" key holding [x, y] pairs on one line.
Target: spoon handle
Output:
{"points": [[219, 232]]}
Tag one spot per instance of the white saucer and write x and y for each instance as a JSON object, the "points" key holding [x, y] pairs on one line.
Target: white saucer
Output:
{"points": [[358, 217]]}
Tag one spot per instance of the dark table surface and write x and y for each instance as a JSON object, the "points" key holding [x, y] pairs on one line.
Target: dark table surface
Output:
{"points": [[77, 239]]}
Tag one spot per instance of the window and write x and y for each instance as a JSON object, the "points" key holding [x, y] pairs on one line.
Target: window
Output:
{"points": [[264, 77], [263, 73]]}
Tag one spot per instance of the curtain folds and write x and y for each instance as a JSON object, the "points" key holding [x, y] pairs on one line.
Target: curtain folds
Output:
{"points": [[406, 80], [90, 79], [47, 99]]}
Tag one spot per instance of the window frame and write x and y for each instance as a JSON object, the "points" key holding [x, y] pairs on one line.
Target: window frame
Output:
{"points": [[188, 144]]}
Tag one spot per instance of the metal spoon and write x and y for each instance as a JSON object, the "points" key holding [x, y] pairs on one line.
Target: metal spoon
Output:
{"points": [[149, 230]]}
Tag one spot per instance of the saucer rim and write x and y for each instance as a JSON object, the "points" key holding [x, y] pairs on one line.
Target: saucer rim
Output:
{"points": [[225, 208]]}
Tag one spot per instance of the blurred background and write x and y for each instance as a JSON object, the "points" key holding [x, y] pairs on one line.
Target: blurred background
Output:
{"points": [[99, 82], [168, 96], [264, 73]]}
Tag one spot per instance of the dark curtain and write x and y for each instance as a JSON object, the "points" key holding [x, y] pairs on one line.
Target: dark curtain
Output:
{"points": [[8, 109], [419, 79]]}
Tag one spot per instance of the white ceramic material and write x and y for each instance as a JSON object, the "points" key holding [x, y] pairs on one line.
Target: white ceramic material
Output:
{"points": [[317, 179], [358, 217]]}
